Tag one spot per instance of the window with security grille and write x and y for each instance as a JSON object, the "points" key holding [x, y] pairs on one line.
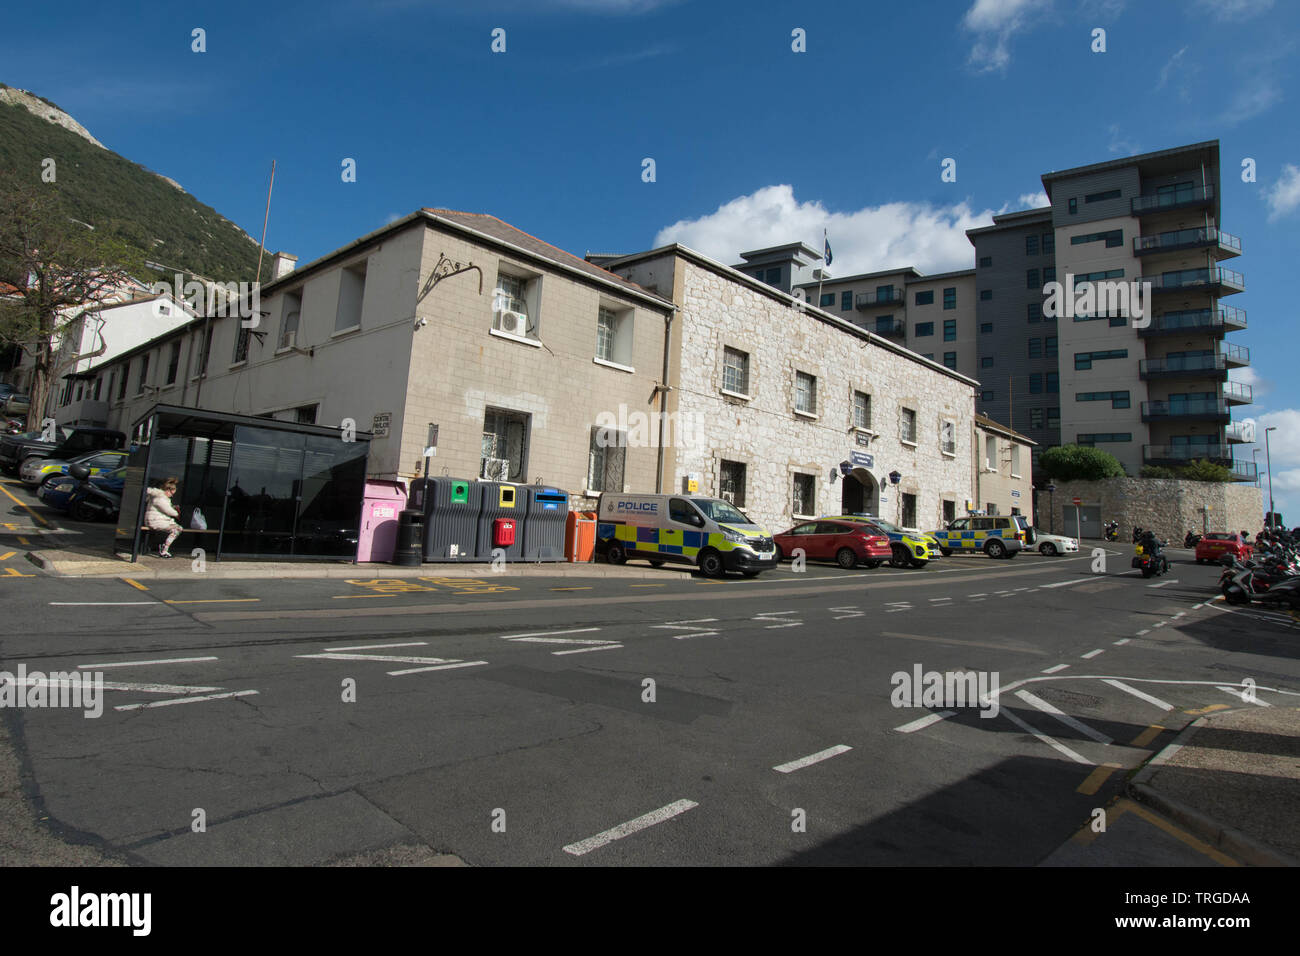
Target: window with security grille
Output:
{"points": [[241, 345], [948, 438], [805, 495], [505, 439], [861, 410], [735, 371], [909, 510], [907, 424], [731, 482], [511, 312], [606, 460], [144, 375], [805, 393]]}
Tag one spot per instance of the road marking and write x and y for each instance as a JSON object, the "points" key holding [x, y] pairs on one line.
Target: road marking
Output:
{"points": [[184, 700], [1121, 642], [934, 600], [1058, 667], [23, 541], [1145, 630], [1091, 654], [135, 584], [14, 573], [698, 620], [7, 555], [980, 594], [1158, 821], [1180, 614], [560, 640], [763, 614], [1157, 624], [573, 630], [1148, 735], [1163, 584], [585, 650], [1065, 584], [1138, 694], [218, 601], [101, 603], [1000, 593], [25, 507], [1094, 781], [925, 721], [811, 759], [1206, 710], [647, 585], [683, 637], [1054, 744], [385, 658], [437, 667], [1022, 589], [843, 613], [1063, 717], [632, 826], [375, 647], [957, 641], [113, 685], [354, 597], [791, 624], [168, 660], [1241, 695], [570, 589]]}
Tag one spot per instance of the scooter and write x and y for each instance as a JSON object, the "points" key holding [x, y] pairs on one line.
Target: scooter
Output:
{"points": [[90, 502], [1112, 531], [1237, 584]]}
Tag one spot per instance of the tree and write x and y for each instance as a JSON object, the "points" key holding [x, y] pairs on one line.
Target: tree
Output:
{"points": [[1199, 469], [61, 268], [1158, 471], [1079, 463]]}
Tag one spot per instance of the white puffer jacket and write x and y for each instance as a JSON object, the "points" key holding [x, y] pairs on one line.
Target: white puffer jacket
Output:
{"points": [[159, 513]]}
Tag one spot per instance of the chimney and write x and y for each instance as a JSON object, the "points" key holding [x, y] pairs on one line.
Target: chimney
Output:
{"points": [[282, 264]]}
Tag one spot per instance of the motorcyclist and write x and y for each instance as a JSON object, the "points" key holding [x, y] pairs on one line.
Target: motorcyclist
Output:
{"points": [[1137, 534], [1189, 541], [1153, 546]]}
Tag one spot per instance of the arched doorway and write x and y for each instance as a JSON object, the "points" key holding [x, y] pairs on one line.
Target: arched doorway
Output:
{"points": [[859, 493]]}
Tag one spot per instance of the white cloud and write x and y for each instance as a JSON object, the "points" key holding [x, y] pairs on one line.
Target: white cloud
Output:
{"points": [[994, 23], [1248, 376], [1103, 9], [894, 235], [1230, 10], [1118, 144], [1283, 197], [1260, 95], [1033, 200], [1283, 444]]}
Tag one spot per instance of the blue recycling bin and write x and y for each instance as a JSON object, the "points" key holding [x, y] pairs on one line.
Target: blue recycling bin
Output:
{"points": [[544, 524]]}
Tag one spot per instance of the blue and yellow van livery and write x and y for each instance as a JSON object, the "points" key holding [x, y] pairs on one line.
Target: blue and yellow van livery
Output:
{"points": [[911, 548], [998, 536], [708, 533]]}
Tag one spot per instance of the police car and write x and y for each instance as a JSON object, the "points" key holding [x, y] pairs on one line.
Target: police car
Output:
{"points": [[709, 533], [998, 536]]}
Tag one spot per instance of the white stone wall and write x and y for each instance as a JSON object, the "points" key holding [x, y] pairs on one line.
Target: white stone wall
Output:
{"points": [[1168, 506], [764, 432]]}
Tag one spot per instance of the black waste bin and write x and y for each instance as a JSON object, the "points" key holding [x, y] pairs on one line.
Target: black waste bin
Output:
{"points": [[409, 550]]}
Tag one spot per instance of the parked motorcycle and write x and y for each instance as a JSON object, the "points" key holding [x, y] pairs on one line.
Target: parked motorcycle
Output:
{"points": [[92, 501], [1112, 531], [1240, 584]]}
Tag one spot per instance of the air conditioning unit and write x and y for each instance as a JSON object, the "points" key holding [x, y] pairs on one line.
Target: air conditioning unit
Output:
{"points": [[288, 339], [514, 323], [496, 469]]}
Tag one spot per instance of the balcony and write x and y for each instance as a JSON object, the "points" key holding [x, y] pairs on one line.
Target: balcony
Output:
{"points": [[1236, 355], [1215, 280], [1176, 455], [1187, 198], [889, 326], [1204, 236], [1235, 393], [1192, 366], [1196, 409], [1240, 433], [1207, 321], [878, 299]]}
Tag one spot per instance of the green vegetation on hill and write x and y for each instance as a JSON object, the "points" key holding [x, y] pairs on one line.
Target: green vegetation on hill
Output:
{"points": [[123, 200]]}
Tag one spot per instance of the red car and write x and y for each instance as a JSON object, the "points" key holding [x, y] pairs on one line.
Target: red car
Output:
{"points": [[847, 543], [1216, 544]]}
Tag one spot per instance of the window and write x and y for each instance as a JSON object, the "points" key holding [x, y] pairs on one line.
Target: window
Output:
{"points": [[1097, 437], [1116, 399], [1084, 360], [731, 482], [504, 448], [291, 309], [1035, 418], [121, 387], [909, 510], [1100, 197], [986, 295], [990, 453], [925, 298], [1113, 238], [201, 357], [805, 495], [606, 459], [1053, 382], [1074, 206], [950, 298], [173, 365], [861, 410], [805, 393], [1094, 276], [950, 330], [928, 355], [98, 382], [846, 301], [1049, 243], [352, 290], [144, 375], [986, 395], [950, 360], [614, 336], [1036, 383], [735, 371], [1035, 348], [773, 276], [992, 508], [949, 511], [242, 335], [1031, 280], [1015, 460], [828, 298], [907, 425], [1050, 345], [1035, 312], [986, 328], [986, 361], [948, 438], [513, 306], [986, 262], [1049, 274], [885, 325], [1053, 418], [1031, 245], [924, 329]]}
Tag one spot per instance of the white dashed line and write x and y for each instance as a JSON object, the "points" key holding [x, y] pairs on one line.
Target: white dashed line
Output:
{"points": [[1180, 614], [170, 660], [811, 759], [184, 700], [1058, 667], [1138, 694], [1121, 642], [792, 624], [1091, 654], [574, 630], [632, 826], [925, 721], [371, 647], [980, 594], [1063, 717], [1066, 584], [587, 650], [1145, 630], [437, 667], [1241, 696]]}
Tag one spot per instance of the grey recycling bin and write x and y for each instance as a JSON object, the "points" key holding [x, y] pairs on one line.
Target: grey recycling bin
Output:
{"points": [[544, 524], [451, 509], [504, 508]]}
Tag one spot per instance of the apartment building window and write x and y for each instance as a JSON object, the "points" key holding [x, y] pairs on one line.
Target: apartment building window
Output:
{"points": [[1101, 197], [1036, 418], [1053, 382], [950, 330], [1031, 245], [986, 262], [352, 290], [514, 306], [986, 328], [950, 360], [306, 414], [1035, 383], [1050, 345], [805, 495], [1116, 399], [1035, 311], [885, 325], [241, 345], [772, 276], [805, 393], [986, 395], [614, 336], [1112, 238], [1031, 279], [861, 410], [735, 371], [1084, 360], [986, 295], [990, 453], [1095, 438], [731, 482], [948, 438], [925, 298], [986, 361], [173, 363], [1074, 206], [828, 298], [950, 298], [121, 386], [1096, 276], [606, 459], [907, 425], [1035, 348], [846, 301], [504, 448], [605, 334], [291, 311], [144, 374], [924, 328], [1049, 274], [928, 355], [1049, 243], [909, 510]]}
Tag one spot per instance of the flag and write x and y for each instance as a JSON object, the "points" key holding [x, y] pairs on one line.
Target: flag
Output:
{"points": [[826, 256]]}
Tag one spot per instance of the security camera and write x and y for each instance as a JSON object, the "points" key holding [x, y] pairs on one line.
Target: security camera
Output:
{"points": [[421, 322]]}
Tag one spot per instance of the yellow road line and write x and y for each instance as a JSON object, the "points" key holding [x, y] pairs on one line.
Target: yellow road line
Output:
{"points": [[217, 601], [349, 597], [647, 585], [7, 555], [1148, 735], [571, 589], [1204, 848], [13, 573], [135, 584], [1094, 781], [23, 541], [24, 506], [1207, 710]]}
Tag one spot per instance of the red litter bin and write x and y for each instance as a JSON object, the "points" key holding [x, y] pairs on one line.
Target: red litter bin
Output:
{"points": [[580, 536], [503, 532]]}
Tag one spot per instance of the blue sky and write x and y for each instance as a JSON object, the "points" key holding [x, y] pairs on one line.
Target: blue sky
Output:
{"points": [[752, 142]]}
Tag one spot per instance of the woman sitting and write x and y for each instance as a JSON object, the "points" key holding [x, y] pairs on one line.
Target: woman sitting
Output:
{"points": [[161, 516]]}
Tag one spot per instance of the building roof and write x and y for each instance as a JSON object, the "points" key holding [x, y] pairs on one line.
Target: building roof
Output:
{"points": [[1162, 160], [1014, 220], [983, 421], [795, 250], [909, 273]]}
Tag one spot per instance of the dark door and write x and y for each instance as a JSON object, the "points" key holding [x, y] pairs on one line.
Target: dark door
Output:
{"points": [[851, 497]]}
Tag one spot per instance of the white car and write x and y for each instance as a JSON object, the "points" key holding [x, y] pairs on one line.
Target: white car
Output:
{"points": [[1054, 544]]}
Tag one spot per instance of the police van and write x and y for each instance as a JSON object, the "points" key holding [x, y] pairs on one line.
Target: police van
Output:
{"points": [[708, 533], [998, 536]]}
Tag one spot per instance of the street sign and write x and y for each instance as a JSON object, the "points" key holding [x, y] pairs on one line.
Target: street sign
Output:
{"points": [[861, 459], [1077, 501]]}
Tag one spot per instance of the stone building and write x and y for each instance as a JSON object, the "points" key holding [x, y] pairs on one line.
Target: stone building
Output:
{"points": [[1003, 470]]}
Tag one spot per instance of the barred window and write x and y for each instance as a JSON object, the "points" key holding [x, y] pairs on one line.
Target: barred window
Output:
{"points": [[606, 460], [731, 482], [805, 494], [907, 425]]}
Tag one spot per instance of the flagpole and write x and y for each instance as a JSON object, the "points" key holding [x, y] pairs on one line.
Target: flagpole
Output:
{"points": [[822, 277]]}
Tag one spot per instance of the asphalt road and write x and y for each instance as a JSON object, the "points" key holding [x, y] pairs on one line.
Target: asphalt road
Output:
{"points": [[538, 721]]}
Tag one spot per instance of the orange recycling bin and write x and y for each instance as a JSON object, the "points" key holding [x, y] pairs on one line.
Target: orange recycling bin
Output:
{"points": [[580, 536]]}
